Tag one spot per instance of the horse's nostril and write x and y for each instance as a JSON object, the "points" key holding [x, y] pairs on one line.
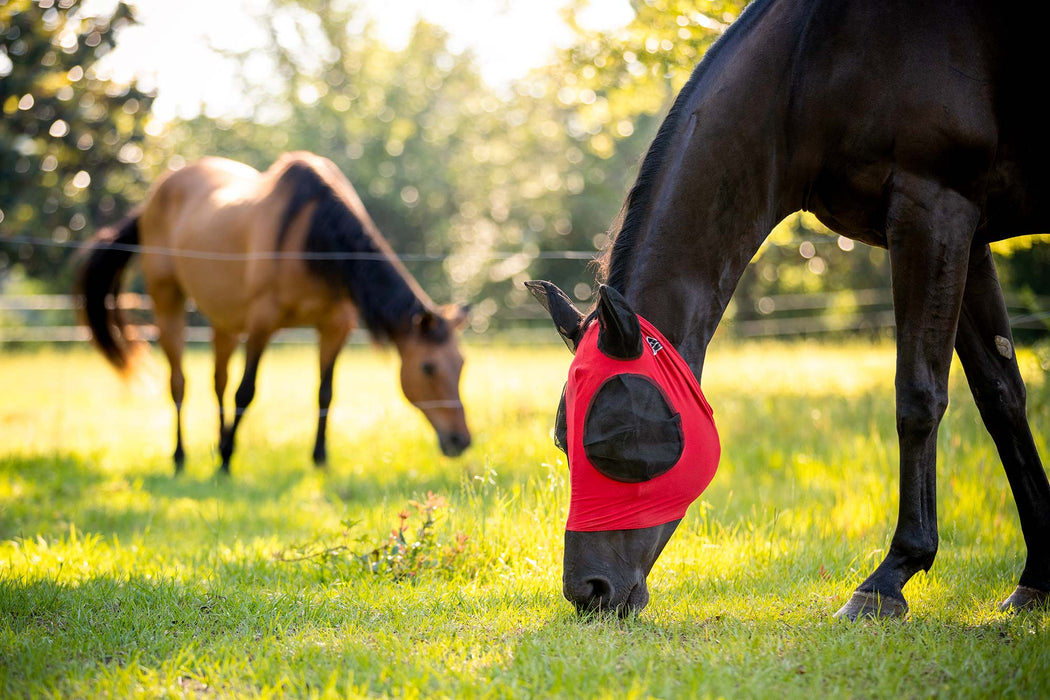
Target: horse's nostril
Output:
{"points": [[453, 444], [601, 589], [590, 595]]}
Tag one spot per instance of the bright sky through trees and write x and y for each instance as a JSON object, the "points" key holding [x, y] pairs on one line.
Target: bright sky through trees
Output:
{"points": [[174, 46]]}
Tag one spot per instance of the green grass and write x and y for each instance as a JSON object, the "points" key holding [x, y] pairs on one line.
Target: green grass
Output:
{"points": [[116, 579]]}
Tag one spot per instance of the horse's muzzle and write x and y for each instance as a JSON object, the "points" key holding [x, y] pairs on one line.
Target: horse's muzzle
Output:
{"points": [[453, 444], [606, 570]]}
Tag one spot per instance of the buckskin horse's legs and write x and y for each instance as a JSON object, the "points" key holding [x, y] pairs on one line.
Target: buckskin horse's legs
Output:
{"points": [[223, 343], [170, 316], [985, 347], [929, 229], [332, 336], [253, 349]]}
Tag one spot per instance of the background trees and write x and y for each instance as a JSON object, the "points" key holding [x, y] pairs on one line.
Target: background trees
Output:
{"points": [[72, 142], [479, 187]]}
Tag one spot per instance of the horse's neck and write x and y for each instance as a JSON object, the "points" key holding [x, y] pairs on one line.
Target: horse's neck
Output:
{"points": [[720, 192], [387, 295], [686, 275]]}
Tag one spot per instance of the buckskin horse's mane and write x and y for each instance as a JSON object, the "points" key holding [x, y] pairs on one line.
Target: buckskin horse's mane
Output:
{"points": [[635, 211], [384, 293]]}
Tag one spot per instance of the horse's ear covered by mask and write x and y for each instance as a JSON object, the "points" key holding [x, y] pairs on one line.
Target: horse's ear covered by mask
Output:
{"points": [[570, 324], [620, 336], [567, 318]]}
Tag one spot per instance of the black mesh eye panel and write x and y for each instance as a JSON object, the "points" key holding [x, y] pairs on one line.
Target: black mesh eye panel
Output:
{"points": [[630, 432], [561, 427]]}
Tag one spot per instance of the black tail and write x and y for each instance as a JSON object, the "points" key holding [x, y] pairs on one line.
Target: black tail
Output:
{"points": [[98, 285]]}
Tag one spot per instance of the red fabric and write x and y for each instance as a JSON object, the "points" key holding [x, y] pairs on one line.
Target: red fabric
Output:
{"points": [[599, 503]]}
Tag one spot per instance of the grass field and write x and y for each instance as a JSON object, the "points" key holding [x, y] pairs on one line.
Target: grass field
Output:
{"points": [[118, 580]]}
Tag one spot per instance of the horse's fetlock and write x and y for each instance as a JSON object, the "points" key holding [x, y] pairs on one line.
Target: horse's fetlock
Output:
{"points": [[917, 553]]}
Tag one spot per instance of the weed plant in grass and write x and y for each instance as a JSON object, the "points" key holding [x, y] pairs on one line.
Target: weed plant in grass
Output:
{"points": [[117, 579]]}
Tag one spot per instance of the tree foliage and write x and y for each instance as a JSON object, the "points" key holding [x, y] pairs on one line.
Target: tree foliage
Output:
{"points": [[478, 187], [71, 140]]}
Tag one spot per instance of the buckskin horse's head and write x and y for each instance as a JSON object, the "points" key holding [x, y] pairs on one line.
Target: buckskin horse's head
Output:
{"points": [[641, 445], [431, 365]]}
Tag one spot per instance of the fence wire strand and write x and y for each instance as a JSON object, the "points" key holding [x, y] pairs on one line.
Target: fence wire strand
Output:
{"points": [[304, 255]]}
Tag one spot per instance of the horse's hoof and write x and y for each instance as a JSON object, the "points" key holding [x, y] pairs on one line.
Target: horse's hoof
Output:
{"points": [[870, 604], [1025, 598]]}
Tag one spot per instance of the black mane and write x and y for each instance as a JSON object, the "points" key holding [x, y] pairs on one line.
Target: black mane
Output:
{"points": [[350, 254], [636, 207]]}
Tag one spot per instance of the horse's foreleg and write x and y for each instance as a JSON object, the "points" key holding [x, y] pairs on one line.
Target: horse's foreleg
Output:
{"points": [[985, 347], [253, 349], [171, 324], [929, 229], [224, 344], [332, 337]]}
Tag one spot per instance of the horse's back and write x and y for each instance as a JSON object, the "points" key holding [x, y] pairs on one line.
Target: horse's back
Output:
{"points": [[182, 205], [201, 225], [931, 89], [216, 227]]}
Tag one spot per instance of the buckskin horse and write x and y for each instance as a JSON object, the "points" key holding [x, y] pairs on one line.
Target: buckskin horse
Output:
{"points": [[910, 126], [258, 252]]}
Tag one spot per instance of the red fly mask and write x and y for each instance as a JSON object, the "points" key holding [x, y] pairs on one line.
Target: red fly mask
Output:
{"points": [[638, 432]]}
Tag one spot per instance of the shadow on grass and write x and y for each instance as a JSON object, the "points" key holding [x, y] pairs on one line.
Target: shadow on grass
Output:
{"points": [[47, 494]]}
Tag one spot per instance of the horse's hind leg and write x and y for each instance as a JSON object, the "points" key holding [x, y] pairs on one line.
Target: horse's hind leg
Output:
{"points": [[170, 316], [985, 348], [332, 336], [253, 349], [223, 343], [929, 228]]}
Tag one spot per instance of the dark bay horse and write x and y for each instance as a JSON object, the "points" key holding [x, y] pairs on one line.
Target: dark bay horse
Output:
{"points": [[913, 126], [258, 252]]}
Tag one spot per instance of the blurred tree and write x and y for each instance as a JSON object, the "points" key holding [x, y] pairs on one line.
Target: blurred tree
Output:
{"points": [[610, 90], [616, 86], [477, 188], [397, 123], [1023, 263], [71, 140]]}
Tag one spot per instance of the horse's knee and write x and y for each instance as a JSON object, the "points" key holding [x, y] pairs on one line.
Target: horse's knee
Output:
{"points": [[219, 382], [177, 385], [324, 396], [245, 394], [919, 411]]}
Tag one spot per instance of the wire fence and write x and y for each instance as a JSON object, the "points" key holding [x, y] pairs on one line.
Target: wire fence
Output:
{"points": [[43, 318], [303, 255], [52, 318]]}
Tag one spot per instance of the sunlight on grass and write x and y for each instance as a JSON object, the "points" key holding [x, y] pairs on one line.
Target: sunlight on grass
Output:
{"points": [[116, 578]]}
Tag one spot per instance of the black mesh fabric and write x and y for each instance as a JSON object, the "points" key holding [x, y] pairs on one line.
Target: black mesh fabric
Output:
{"points": [[561, 427], [631, 433]]}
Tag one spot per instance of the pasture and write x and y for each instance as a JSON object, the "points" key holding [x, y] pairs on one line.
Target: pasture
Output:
{"points": [[117, 579]]}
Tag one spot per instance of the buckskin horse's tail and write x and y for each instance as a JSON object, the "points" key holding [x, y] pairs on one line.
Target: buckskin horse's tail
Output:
{"points": [[98, 286]]}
